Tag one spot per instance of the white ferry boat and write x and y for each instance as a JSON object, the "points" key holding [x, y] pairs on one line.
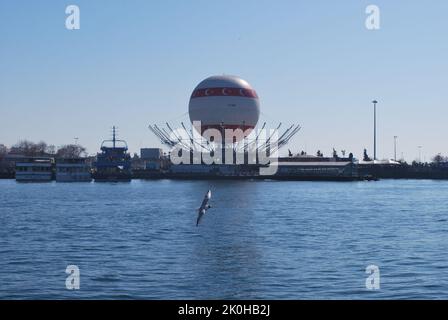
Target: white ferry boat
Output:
{"points": [[34, 170], [73, 170]]}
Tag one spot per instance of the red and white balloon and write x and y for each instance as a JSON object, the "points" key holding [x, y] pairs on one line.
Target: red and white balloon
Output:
{"points": [[224, 102]]}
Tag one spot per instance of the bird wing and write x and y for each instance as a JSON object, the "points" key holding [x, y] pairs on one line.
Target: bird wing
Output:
{"points": [[207, 197], [200, 214], [204, 206]]}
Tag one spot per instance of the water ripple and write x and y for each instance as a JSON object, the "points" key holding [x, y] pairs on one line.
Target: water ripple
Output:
{"points": [[260, 240]]}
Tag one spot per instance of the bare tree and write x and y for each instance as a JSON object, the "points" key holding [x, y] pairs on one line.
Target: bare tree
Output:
{"points": [[438, 159], [71, 151], [51, 149], [3, 150], [41, 148], [29, 148]]}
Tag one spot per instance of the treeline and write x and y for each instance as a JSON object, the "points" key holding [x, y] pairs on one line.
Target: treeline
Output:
{"points": [[41, 149], [439, 158]]}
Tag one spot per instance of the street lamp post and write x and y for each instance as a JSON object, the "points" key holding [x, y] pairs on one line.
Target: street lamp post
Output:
{"points": [[395, 148], [374, 128], [420, 154]]}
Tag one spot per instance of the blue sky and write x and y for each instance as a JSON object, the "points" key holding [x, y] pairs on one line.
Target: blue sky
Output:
{"points": [[312, 62]]}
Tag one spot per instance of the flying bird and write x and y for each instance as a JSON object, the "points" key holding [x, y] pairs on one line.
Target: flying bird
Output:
{"points": [[204, 206]]}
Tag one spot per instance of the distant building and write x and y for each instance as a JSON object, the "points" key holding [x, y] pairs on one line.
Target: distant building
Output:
{"points": [[152, 158], [151, 153]]}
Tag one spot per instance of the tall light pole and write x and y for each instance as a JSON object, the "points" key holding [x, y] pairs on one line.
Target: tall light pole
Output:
{"points": [[395, 148], [76, 141], [374, 128], [420, 154]]}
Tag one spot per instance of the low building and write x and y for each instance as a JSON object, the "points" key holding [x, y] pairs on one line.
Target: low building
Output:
{"points": [[152, 158], [151, 153], [73, 170]]}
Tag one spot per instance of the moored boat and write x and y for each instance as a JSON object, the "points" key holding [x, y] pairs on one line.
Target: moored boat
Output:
{"points": [[73, 170], [34, 170], [113, 163]]}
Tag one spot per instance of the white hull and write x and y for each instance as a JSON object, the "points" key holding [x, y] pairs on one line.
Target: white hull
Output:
{"points": [[64, 177], [73, 172], [33, 176]]}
